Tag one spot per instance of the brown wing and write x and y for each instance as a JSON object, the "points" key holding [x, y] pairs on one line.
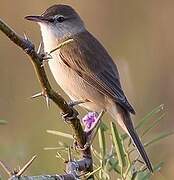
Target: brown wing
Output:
{"points": [[90, 60]]}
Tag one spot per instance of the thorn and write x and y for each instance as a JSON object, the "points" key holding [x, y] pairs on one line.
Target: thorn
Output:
{"points": [[7, 170], [26, 166], [37, 95], [47, 101], [25, 37], [45, 60], [40, 48], [69, 155], [59, 156], [44, 55], [47, 56], [42, 94]]}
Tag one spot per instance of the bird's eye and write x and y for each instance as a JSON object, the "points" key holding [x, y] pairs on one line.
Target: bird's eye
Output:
{"points": [[60, 19]]}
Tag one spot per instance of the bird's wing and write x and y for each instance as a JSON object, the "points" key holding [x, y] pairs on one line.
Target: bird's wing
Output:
{"points": [[88, 58]]}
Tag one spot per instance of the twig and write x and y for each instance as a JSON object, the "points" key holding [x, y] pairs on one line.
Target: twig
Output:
{"points": [[61, 45], [72, 168], [45, 177], [6, 169], [26, 166]]}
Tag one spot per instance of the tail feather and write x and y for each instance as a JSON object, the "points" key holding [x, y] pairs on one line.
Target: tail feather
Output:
{"points": [[140, 148], [136, 140]]}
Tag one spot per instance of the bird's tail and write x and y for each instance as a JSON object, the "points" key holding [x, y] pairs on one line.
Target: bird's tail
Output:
{"points": [[136, 140], [124, 120]]}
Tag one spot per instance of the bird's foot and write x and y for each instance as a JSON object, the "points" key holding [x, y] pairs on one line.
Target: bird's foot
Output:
{"points": [[68, 117]]}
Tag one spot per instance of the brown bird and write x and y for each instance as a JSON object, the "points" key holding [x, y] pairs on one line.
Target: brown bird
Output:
{"points": [[84, 69]]}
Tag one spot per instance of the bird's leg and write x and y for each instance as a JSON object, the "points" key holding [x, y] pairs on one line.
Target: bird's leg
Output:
{"points": [[68, 117]]}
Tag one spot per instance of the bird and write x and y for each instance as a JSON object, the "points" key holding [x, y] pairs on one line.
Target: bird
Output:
{"points": [[84, 69]]}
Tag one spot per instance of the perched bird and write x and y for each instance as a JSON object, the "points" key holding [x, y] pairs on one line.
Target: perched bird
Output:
{"points": [[84, 69]]}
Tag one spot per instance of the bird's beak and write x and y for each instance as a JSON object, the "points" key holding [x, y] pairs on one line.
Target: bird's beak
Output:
{"points": [[36, 18]]}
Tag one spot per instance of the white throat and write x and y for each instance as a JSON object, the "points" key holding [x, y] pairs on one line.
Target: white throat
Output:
{"points": [[52, 36], [61, 72]]}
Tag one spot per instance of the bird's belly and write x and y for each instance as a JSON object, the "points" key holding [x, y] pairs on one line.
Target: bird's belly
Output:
{"points": [[75, 87]]}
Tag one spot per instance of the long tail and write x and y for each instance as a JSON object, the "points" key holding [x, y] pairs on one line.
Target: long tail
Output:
{"points": [[136, 140], [124, 120]]}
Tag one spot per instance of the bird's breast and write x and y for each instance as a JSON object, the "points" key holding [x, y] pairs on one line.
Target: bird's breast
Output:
{"points": [[63, 75], [71, 83]]}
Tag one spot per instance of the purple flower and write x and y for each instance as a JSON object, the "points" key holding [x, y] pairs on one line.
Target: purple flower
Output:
{"points": [[89, 121]]}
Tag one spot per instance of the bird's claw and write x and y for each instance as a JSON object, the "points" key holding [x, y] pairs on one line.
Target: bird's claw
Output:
{"points": [[68, 117], [26, 37], [44, 94]]}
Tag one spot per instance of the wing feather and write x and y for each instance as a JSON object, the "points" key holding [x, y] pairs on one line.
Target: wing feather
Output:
{"points": [[101, 72]]}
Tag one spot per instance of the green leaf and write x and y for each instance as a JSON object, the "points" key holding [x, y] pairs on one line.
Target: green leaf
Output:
{"points": [[103, 126], [60, 156], [145, 175], [3, 121], [113, 165], [160, 137], [93, 172], [119, 147], [102, 143], [63, 144], [154, 124], [58, 133], [102, 146], [146, 118], [129, 165], [54, 148], [96, 153]]}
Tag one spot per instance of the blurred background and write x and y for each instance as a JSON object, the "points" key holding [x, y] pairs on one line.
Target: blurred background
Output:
{"points": [[139, 37]]}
